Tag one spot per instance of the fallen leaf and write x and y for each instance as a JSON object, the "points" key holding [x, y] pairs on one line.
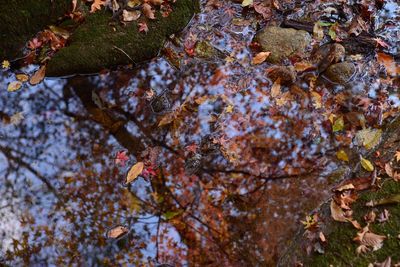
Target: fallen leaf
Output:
{"points": [[341, 155], [130, 15], [366, 164], [303, 66], [156, 2], [5, 64], [60, 31], [148, 11], [338, 125], [392, 68], [38, 76], [394, 199], [17, 118], [370, 217], [369, 239], [96, 5], [317, 99], [134, 172], [276, 88], [383, 216], [117, 232], [121, 158], [389, 170], [22, 77], [171, 214], [322, 237], [337, 213], [260, 58], [143, 27], [14, 86], [247, 3], [369, 138], [397, 156]]}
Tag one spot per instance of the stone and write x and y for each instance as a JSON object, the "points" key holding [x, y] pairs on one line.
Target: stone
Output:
{"points": [[287, 74], [96, 45], [328, 54], [283, 42], [341, 72], [20, 20]]}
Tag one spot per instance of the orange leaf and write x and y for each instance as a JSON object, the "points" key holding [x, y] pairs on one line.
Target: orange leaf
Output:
{"points": [[38, 76], [97, 5], [148, 11], [260, 58], [391, 66]]}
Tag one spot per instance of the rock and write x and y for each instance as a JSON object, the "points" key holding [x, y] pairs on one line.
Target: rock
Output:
{"points": [[20, 20], [328, 54], [96, 45], [283, 42], [340, 72], [286, 73]]}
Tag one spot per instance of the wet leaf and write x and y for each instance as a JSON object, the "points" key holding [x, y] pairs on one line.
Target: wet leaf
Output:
{"points": [[338, 125], [366, 164], [171, 214], [59, 31], [392, 68], [121, 158], [369, 138], [130, 15], [341, 155], [117, 232], [260, 58], [17, 118], [317, 99], [14, 86], [38, 76], [134, 172], [22, 77], [276, 88], [5, 64], [247, 3]]}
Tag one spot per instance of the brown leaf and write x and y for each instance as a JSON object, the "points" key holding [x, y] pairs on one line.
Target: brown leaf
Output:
{"points": [[392, 68], [369, 239], [22, 77], [96, 5], [156, 2], [276, 88], [260, 58], [117, 232], [337, 213], [38, 76], [134, 172], [148, 11]]}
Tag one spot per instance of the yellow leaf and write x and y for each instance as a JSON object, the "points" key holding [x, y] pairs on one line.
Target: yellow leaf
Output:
{"points": [[229, 109], [167, 119], [247, 3], [341, 155], [38, 76], [338, 125], [134, 172], [5, 64], [22, 77], [260, 58], [14, 86], [369, 138], [367, 165], [276, 88]]}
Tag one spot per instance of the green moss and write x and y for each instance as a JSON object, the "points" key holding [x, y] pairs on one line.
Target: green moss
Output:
{"points": [[96, 44], [20, 20], [341, 249]]}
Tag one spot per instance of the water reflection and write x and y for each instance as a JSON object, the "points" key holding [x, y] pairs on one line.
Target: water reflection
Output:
{"points": [[229, 169]]}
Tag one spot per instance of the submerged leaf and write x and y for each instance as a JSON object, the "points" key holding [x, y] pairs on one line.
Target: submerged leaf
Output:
{"points": [[260, 58], [338, 125], [22, 77], [341, 155], [369, 138], [134, 172], [38, 76], [366, 164], [247, 3]]}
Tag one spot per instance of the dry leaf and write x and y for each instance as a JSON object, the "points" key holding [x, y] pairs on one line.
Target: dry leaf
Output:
{"points": [[117, 232], [260, 58], [148, 11], [134, 172], [392, 68], [96, 5], [337, 213], [389, 170], [247, 3], [369, 138], [14, 86], [397, 156], [370, 217], [130, 15], [317, 99], [156, 2], [368, 239], [38, 76]]}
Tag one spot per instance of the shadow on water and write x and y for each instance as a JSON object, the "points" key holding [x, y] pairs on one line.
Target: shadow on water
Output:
{"points": [[229, 170]]}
